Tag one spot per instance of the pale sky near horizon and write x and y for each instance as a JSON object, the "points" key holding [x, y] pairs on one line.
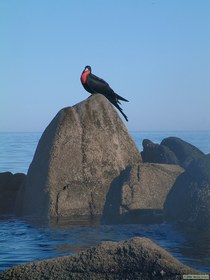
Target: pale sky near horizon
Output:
{"points": [[154, 53]]}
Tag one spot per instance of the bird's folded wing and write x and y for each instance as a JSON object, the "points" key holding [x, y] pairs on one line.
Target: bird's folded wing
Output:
{"points": [[97, 84]]}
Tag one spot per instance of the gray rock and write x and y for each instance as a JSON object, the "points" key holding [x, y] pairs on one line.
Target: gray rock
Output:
{"points": [[189, 199], [80, 153], [155, 153], [138, 194], [184, 151], [9, 186], [137, 258]]}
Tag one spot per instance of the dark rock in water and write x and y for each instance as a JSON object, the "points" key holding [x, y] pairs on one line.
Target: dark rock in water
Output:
{"points": [[200, 169], [189, 199], [155, 153], [84, 148], [184, 151], [9, 186], [137, 258], [172, 150], [140, 196]]}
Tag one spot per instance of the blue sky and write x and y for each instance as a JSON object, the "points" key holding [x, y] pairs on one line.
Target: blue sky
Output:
{"points": [[154, 53]]}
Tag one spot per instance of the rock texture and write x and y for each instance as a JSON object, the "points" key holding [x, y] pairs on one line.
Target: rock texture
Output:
{"points": [[141, 194], [184, 151], [157, 153], [189, 199], [82, 151], [9, 186], [137, 258]]}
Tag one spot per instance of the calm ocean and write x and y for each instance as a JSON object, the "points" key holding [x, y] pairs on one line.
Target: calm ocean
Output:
{"points": [[17, 149], [24, 240]]}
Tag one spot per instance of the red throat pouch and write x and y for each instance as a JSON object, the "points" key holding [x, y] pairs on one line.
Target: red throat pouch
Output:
{"points": [[84, 76]]}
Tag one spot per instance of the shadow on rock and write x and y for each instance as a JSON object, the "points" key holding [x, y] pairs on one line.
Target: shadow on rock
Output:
{"points": [[121, 205], [111, 212]]}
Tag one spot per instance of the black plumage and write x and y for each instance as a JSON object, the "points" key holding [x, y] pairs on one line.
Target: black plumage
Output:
{"points": [[94, 84]]}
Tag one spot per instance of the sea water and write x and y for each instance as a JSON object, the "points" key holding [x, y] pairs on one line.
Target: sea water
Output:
{"points": [[24, 240]]}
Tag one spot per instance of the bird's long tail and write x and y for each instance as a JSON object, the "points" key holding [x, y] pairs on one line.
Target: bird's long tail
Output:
{"points": [[121, 111], [116, 103], [121, 98]]}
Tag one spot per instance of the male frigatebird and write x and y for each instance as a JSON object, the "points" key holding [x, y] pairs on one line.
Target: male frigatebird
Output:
{"points": [[94, 84]]}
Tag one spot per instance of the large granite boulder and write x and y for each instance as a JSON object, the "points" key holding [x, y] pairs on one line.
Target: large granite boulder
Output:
{"points": [[141, 195], [137, 258], [9, 186], [184, 151], [189, 199], [155, 153], [81, 152]]}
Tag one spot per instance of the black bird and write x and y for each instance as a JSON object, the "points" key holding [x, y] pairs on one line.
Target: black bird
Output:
{"points": [[94, 84]]}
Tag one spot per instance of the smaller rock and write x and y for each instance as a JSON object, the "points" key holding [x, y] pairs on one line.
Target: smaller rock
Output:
{"points": [[136, 258], [184, 151], [138, 195], [155, 153], [189, 199], [9, 186]]}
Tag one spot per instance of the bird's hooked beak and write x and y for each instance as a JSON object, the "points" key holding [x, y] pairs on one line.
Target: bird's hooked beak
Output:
{"points": [[87, 69]]}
